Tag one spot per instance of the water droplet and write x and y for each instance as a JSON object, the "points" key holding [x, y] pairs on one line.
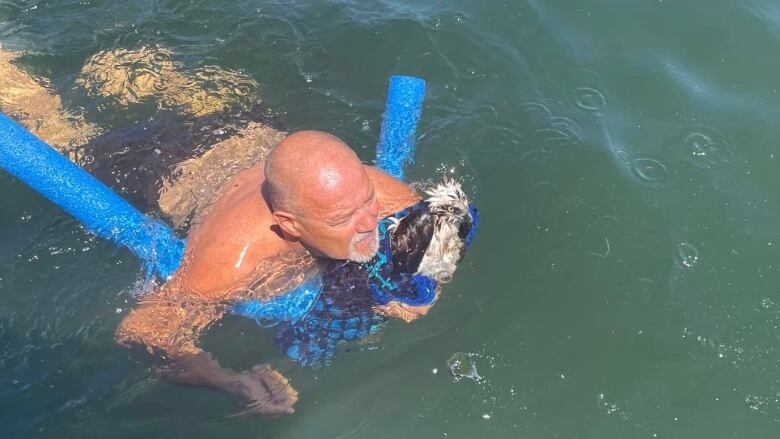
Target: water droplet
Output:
{"points": [[463, 365], [687, 255], [459, 17], [756, 403], [704, 147], [698, 144]]}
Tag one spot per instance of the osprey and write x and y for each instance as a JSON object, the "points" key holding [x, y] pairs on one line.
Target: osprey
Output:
{"points": [[430, 241]]}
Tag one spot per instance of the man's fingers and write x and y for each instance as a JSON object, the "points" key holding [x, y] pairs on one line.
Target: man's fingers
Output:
{"points": [[267, 393], [263, 409], [399, 310], [406, 312], [276, 383]]}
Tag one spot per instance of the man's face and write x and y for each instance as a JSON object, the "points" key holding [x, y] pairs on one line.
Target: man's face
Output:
{"points": [[341, 223]]}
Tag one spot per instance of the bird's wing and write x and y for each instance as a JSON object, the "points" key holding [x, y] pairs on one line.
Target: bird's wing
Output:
{"points": [[410, 239]]}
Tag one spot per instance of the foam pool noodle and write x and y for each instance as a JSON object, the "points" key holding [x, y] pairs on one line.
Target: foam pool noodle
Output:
{"points": [[395, 150], [83, 196]]}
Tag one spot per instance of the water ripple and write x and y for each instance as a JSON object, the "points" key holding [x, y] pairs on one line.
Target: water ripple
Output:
{"points": [[704, 147], [589, 99], [650, 171], [686, 256]]}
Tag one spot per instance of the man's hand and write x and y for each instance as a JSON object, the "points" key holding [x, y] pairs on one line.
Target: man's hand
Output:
{"points": [[402, 311], [264, 390]]}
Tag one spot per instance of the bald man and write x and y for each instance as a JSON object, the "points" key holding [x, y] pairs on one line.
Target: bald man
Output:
{"points": [[264, 234]]}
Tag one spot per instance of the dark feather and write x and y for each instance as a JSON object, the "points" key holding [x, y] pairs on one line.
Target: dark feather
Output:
{"points": [[465, 228], [410, 240]]}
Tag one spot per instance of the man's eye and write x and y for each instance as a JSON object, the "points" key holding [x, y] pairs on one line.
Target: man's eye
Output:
{"points": [[339, 222]]}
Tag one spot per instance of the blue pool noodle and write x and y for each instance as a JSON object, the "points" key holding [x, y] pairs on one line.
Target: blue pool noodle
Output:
{"points": [[395, 150], [100, 210]]}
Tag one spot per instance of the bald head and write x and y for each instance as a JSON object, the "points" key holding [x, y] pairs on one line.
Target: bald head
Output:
{"points": [[322, 197], [309, 169]]}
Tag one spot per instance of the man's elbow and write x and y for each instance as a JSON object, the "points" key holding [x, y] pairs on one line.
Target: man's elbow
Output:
{"points": [[124, 336], [135, 329]]}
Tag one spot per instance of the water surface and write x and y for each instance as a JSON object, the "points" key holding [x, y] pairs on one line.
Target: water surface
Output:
{"points": [[624, 159]]}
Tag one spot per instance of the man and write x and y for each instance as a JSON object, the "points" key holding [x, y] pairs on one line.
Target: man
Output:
{"points": [[320, 202], [311, 200]]}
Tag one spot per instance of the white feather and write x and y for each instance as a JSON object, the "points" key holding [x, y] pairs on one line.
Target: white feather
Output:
{"points": [[445, 249]]}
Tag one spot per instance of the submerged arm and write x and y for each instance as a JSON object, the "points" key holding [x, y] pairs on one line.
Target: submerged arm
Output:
{"points": [[171, 330]]}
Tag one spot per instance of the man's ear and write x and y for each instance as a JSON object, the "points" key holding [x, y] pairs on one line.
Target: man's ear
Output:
{"points": [[288, 223]]}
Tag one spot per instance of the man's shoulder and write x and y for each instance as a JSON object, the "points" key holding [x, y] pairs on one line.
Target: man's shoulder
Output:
{"points": [[227, 262], [235, 234], [392, 193], [384, 180]]}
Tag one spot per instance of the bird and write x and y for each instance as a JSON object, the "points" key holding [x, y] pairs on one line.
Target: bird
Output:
{"points": [[430, 240]]}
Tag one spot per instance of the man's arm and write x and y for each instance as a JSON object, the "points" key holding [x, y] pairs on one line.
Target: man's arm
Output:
{"points": [[171, 330]]}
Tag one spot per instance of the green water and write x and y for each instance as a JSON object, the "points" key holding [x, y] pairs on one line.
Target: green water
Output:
{"points": [[624, 283]]}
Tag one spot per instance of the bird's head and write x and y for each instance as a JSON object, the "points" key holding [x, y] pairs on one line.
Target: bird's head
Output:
{"points": [[430, 241], [449, 205]]}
